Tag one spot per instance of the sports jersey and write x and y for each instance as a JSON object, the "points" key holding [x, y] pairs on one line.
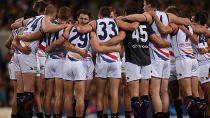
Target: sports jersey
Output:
{"points": [[107, 28], [181, 44], [81, 41], [58, 52], [41, 48], [33, 25], [156, 52], [15, 33], [202, 43], [89, 55], [136, 45], [171, 53]]}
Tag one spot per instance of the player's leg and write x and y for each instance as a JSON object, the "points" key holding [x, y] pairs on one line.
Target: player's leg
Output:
{"points": [[155, 94], [68, 98], [49, 88], [195, 92], [100, 87], [79, 96], [176, 96], [20, 92], [114, 94], [206, 87], [29, 84], [127, 98], [203, 105], [165, 97], [106, 100], [14, 102], [87, 89], [58, 88]]}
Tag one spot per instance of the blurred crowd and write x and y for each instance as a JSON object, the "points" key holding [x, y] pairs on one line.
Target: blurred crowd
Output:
{"points": [[10, 10]]}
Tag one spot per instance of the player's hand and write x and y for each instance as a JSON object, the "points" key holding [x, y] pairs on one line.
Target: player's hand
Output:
{"points": [[187, 21], [83, 53], [118, 47], [23, 37], [26, 50]]}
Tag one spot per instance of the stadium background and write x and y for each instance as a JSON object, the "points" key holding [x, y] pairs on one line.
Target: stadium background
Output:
{"points": [[13, 9]]}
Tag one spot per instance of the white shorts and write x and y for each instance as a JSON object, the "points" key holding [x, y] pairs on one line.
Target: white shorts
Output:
{"points": [[160, 68], [90, 69], [42, 64], [173, 74], [16, 62], [108, 70], [203, 73], [28, 63], [54, 68], [186, 68], [135, 72], [75, 70], [11, 69]]}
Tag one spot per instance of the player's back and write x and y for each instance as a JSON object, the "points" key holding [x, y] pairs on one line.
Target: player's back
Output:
{"points": [[107, 28], [160, 53], [33, 25]]}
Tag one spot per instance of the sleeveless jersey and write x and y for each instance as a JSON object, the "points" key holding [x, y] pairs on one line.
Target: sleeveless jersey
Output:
{"points": [[58, 52], [41, 48], [136, 45], [33, 25], [202, 43], [182, 44], [81, 41], [155, 52], [107, 28], [15, 33], [89, 55]]}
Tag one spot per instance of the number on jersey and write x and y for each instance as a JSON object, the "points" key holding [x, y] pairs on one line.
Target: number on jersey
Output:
{"points": [[140, 34]]}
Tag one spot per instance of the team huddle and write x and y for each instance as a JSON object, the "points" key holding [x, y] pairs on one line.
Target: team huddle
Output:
{"points": [[148, 53]]}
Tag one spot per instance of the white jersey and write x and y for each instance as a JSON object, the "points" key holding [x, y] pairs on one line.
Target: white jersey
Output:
{"points": [[33, 25], [155, 52], [107, 28], [81, 41], [202, 43], [182, 44], [41, 48], [15, 33], [90, 53], [58, 52]]}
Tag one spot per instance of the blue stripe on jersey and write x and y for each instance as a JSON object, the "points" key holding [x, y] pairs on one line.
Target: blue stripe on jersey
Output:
{"points": [[107, 60], [72, 59], [162, 57], [54, 57], [191, 57]]}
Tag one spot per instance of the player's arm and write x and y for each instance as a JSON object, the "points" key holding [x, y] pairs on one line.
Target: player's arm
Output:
{"points": [[8, 42], [127, 26], [161, 27], [208, 42], [198, 29], [193, 37], [20, 23], [157, 41], [178, 20], [17, 45], [60, 40], [49, 27], [86, 28], [115, 40], [208, 33], [101, 49], [122, 50], [31, 37], [146, 17]]}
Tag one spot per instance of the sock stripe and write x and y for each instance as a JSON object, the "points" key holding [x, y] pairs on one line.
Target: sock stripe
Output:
{"points": [[28, 103]]}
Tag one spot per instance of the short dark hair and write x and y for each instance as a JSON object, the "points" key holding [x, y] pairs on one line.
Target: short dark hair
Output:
{"points": [[29, 13], [132, 8], [105, 11], [64, 13], [153, 3], [84, 11], [201, 16], [173, 10], [39, 5]]}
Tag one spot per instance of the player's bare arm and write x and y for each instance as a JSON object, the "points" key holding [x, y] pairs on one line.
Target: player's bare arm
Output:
{"points": [[31, 37], [193, 37], [146, 17], [102, 49], [86, 28], [49, 27], [161, 27], [8, 42], [178, 20], [115, 40], [20, 23], [199, 29], [208, 42], [17, 45], [127, 26], [160, 43]]}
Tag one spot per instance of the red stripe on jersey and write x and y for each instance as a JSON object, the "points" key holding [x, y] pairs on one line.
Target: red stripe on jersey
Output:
{"points": [[112, 56], [42, 47], [171, 53], [166, 54], [188, 53]]}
